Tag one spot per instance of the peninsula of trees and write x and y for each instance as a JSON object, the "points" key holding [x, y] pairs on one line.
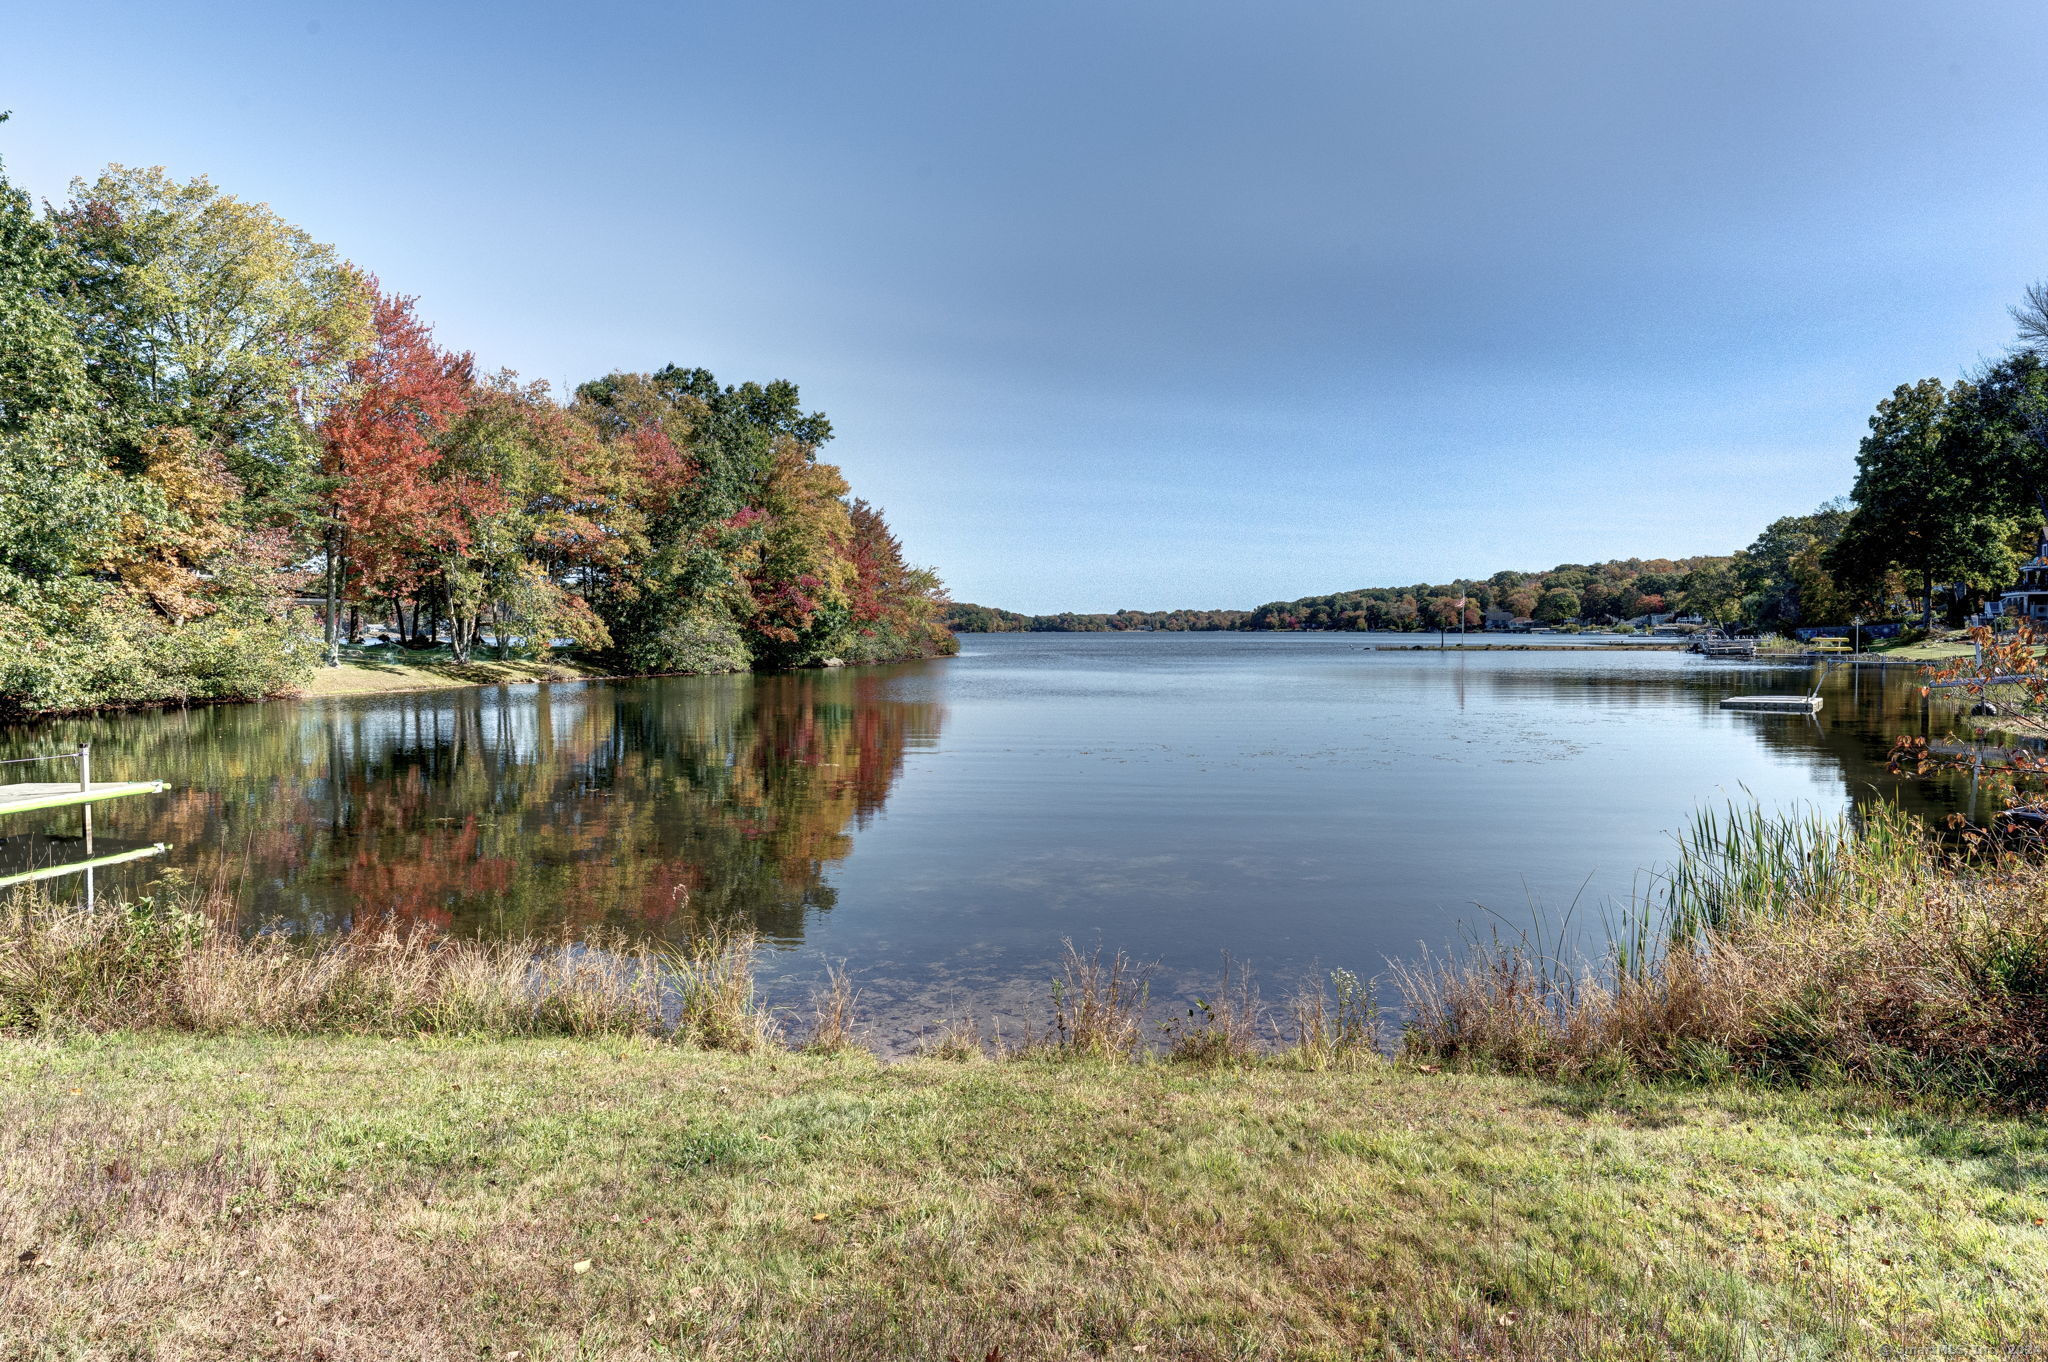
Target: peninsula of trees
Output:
{"points": [[225, 452]]}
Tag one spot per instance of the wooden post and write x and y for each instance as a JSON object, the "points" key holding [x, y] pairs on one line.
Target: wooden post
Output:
{"points": [[85, 810]]}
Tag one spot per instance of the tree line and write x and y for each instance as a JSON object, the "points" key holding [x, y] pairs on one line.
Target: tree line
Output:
{"points": [[226, 451]]}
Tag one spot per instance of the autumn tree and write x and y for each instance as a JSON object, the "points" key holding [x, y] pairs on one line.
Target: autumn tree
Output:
{"points": [[202, 311], [386, 512], [897, 610]]}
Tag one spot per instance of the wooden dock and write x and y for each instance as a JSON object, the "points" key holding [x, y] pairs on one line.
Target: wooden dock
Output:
{"points": [[60, 794], [1774, 704], [38, 859]]}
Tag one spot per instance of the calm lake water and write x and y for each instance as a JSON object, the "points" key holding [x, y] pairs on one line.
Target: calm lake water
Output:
{"points": [[1298, 801]]}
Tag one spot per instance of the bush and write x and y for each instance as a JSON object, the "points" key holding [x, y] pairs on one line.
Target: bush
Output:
{"points": [[889, 640], [698, 643], [105, 649]]}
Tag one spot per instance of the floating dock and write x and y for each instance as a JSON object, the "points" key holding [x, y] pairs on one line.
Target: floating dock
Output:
{"points": [[1774, 704]]}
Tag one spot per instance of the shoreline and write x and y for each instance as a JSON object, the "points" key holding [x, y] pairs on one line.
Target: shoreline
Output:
{"points": [[365, 677]]}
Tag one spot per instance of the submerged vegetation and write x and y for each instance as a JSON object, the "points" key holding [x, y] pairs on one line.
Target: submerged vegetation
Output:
{"points": [[226, 452]]}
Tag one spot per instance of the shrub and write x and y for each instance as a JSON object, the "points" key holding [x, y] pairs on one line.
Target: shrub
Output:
{"points": [[697, 643], [106, 649]]}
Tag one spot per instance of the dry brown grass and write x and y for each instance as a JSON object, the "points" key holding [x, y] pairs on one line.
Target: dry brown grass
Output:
{"points": [[1330, 1030], [1226, 1025], [1098, 1007], [957, 1040], [1901, 965], [162, 964], [832, 1015]]}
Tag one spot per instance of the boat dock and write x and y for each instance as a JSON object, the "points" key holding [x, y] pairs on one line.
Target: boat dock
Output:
{"points": [[64, 795], [1774, 704], [24, 859]]}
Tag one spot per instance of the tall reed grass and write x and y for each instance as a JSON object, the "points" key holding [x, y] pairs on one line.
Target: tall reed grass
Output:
{"points": [[1791, 947]]}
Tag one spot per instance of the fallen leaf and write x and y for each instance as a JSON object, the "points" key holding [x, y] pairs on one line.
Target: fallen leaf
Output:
{"points": [[818, 1218], [580, 1265]]}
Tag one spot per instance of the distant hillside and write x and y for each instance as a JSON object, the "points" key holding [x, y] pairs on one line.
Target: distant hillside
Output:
{"points": [[962, 618], [1620, 589]]}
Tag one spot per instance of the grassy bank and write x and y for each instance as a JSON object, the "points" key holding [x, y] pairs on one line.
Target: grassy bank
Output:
{"points": [[367, 672], [1797, 1116], [340, 1198]]}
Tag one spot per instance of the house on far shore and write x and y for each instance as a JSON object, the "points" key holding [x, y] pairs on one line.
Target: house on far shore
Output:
{"points": [[2028, 600], [1498, 619]]}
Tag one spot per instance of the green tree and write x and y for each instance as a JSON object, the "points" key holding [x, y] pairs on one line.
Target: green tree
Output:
{"points": [[1784, 581], [1557, 605], [1713, 591], [1921, 499], [199, 310]]}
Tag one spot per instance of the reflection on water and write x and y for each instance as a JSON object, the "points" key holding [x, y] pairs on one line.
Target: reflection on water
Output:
{"points": [[1298, 801], [649, 806]]}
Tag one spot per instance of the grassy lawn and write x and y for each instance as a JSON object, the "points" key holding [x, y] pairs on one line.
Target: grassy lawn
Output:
{"points": [[1928, 650], [395, 669], [336, 1198]]}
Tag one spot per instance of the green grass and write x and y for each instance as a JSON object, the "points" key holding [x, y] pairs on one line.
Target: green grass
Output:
{"points": [[175, 1197], [1927, 650]]}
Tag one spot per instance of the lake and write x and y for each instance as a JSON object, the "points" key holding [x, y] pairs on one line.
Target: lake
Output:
{"points": [[1299, 801]]}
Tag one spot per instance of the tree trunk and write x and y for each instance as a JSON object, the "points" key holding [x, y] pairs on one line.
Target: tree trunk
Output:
{"points": [[1927, 602]]}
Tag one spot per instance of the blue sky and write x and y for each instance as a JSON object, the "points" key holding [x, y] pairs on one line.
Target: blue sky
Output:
{"points": [[1158, 304]]}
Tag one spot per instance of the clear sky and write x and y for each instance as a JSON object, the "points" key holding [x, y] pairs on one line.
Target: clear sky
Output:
{"points": [[1157, 304]]}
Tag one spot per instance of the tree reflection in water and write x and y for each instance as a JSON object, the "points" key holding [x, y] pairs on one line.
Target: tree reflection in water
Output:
{"points": [[654, 807]]}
